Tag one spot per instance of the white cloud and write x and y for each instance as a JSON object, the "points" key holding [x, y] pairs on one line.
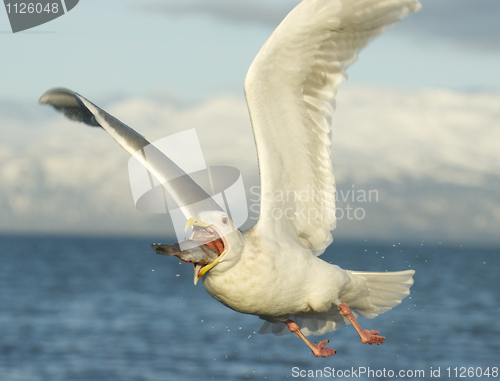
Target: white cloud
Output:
{"points": [[437, 135], [431, 155]]}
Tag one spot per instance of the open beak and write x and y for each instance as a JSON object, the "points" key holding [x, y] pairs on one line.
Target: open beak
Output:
{"points": [[218, 244], [195, 221]]}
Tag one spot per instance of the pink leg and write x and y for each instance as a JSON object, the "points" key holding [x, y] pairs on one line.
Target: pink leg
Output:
{"points": [[367, 337], [319, 350]]}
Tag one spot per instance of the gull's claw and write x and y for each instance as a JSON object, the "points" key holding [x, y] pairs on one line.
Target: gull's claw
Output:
{"points": [[319, 350], [371, 337]]}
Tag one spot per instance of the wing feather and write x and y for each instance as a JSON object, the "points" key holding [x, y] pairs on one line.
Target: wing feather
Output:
{"points": [[188, 195], [290, 89]]}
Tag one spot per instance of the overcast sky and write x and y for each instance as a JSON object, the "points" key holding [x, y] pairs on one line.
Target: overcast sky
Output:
{"points": [[417, 119]]}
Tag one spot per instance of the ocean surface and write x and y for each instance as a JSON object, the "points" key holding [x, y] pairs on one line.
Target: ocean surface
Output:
{"points": [[110, 309]]}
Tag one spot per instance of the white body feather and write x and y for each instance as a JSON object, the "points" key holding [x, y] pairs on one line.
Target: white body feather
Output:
{"points": [[277, 279]]}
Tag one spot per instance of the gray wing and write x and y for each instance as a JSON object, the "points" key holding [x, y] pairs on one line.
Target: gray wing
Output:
{"points": [[187, 194]]}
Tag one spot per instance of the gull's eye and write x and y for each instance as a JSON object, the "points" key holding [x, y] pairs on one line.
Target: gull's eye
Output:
{"points": [[225, 220]]}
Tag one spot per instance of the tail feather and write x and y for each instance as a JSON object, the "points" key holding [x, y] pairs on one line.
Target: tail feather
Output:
{"points": [[383, 291]]}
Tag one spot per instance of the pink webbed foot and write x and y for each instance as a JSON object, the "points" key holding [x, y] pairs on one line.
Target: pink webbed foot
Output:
{"points": [[318, 350], [371, 337], [367, 337]]}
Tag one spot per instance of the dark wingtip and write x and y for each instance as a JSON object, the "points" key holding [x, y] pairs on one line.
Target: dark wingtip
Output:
{"points": [[68, 102], [60, 96]]}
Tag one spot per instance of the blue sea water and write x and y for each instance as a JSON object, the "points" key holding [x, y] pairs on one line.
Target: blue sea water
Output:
{"points": [[109, 309]]}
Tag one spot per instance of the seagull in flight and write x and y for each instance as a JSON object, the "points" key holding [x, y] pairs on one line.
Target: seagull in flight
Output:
{"points": [[273, 270]]}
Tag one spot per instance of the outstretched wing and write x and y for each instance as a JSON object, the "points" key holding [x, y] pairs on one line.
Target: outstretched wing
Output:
{"points": [[289, 88], [187, 194]]}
